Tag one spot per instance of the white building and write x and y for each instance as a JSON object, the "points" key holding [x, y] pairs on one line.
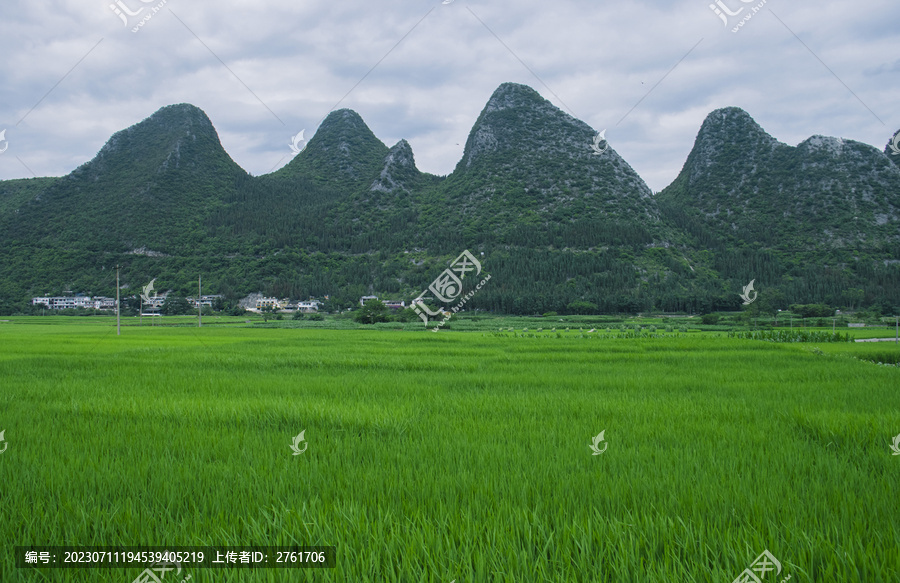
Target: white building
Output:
{"points": [[273, 303], [102, 303], [308, 307], [204, 300], [72, 302]]}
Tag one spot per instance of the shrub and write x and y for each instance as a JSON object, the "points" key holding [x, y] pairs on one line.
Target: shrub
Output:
{"points": [[709, 319], [371, 313]]}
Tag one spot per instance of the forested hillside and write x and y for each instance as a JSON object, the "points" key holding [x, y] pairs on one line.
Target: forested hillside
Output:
{"points": [[819, 221], [559, 227]]}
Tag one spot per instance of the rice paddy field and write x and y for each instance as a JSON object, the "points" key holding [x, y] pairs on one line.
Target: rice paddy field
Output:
{"points": [[453, 456]]}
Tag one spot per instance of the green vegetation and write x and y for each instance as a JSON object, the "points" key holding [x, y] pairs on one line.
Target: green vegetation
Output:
{"points": [[452, 456], [792, 336], [372, 312], [560, 230]]}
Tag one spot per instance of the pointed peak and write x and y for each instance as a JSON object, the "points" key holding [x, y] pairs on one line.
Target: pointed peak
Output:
{"points": [[338, 127], [732, 124], [173, 125], [343, 154], [510, 95], [401, 147], [180, 108], [731, 110], [730, 117], [343, 117], [180, 113], [398, 170]]}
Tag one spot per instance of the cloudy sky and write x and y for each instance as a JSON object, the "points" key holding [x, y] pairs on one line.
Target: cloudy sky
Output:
{"points": [[75, 72]]}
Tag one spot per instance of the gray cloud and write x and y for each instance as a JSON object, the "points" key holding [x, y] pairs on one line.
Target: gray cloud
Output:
{"points": [[289, 63]]}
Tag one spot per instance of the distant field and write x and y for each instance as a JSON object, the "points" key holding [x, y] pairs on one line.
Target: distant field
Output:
{"points": [[451, 456], [463, 322]]}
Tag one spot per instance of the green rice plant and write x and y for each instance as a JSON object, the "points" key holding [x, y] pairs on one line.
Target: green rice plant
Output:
{"points": [[450, 456], [791, 336]]}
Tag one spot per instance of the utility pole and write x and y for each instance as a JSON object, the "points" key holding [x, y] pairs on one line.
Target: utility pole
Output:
{"points": [[199, 304], [118, 308]]}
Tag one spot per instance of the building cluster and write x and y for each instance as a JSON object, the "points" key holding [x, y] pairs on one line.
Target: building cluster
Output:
{"points": [[148, 308], [152, 306], [258, 302], [390, 304], [72, 302], [284, 305]]}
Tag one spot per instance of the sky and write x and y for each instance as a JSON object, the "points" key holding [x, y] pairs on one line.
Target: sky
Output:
{"points": [[75, 72]]}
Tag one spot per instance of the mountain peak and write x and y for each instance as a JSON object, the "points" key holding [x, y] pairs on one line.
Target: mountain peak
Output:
{"points": [[518, 118], [343, 119], [343, 153], [182, 110], [524, 152], [509, 95], [734, 122], [177, 122], [399, 169]]}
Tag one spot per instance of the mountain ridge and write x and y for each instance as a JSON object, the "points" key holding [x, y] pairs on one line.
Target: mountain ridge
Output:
{"points": [[558, 224]]}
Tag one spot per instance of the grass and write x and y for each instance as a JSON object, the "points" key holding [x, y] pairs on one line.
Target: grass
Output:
{"points": [[435, 457]]}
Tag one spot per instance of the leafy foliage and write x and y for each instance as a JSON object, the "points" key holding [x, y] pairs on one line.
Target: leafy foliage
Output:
{"points": [[558, 228]]}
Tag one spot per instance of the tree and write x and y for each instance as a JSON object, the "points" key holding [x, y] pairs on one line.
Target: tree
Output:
{"points": [[582, 307], [176, 306], [405, 315], [130, 305], [709, 319], [853, 296], [373, 311]]}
